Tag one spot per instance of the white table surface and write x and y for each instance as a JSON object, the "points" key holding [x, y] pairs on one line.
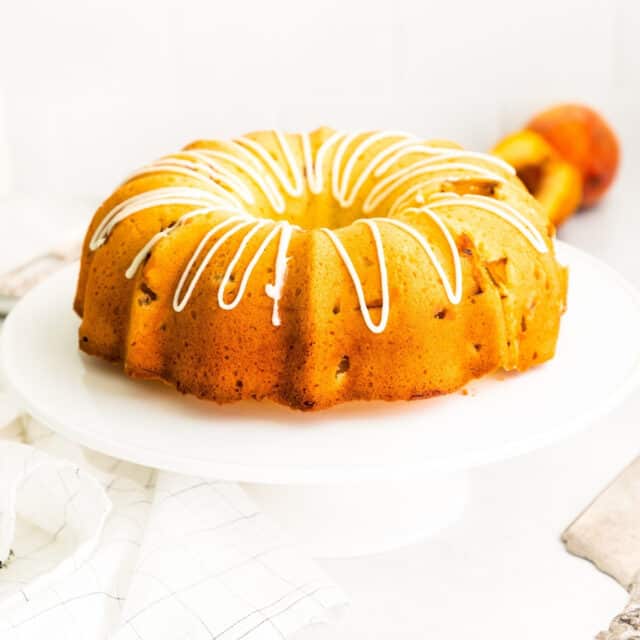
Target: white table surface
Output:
{"points": [[501, 571]]}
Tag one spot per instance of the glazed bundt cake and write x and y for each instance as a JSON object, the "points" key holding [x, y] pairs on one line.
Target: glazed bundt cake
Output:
{"points": [[318, 268]]}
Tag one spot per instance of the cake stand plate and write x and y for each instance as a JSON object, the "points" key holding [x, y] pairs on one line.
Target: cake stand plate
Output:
{"points": [[354, 479]]}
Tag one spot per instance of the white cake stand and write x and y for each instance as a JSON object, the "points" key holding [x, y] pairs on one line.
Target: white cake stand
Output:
{"points": [[359, 478]]}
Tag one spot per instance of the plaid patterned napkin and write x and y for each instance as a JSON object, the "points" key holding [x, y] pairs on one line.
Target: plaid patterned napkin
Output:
{"points": [[98, 548]]}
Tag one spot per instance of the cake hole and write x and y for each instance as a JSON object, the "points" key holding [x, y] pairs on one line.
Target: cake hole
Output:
{"points": [[497, 270], [464, 244], [477, 346], [523, 324], [147, 290], [475, 186], [343, 366], [239, 384], [149, 295], [336, 309], [441, 314]]}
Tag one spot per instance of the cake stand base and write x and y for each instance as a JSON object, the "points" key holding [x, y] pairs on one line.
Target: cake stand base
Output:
{"points": [[337, 521]]}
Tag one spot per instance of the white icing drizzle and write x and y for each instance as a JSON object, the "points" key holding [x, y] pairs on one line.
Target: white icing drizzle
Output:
{"points": [[295, 188], [153, 198], [197, 166], [355, 278], [247, 272], [263, 181], [416, 191], [454, 293], [230, 174], [142, 254], [314, 169], [388, 185], [340, 180], [442, 153], [499, 208], [274, 290], [179, 300]]}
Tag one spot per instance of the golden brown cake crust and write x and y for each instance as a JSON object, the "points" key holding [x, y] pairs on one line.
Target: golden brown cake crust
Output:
{"points": [[233, 270]]}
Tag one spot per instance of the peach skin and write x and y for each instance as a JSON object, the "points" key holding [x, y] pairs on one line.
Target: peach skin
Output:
{"points": [[582, 137]]}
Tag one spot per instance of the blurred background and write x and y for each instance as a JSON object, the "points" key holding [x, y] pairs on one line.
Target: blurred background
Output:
{"points": [[92, 88]]}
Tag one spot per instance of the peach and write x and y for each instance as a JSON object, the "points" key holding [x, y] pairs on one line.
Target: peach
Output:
{"points": [[554, 182], [582, 137]]}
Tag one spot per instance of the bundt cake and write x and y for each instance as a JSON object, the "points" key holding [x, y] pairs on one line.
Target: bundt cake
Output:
{"points": [[312, 269]]}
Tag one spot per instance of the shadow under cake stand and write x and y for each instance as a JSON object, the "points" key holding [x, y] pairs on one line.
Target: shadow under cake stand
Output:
{"points": [[356, 479]]}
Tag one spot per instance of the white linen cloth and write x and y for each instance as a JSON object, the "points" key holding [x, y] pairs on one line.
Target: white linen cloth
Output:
{"points": [[97, 548]]}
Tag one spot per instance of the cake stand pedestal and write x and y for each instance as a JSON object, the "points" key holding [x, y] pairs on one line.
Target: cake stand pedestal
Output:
{"points": [[349, 520], [356, 479]]}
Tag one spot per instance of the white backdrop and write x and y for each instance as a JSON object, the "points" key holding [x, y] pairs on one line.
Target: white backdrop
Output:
{"points": [[92, 88]]}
